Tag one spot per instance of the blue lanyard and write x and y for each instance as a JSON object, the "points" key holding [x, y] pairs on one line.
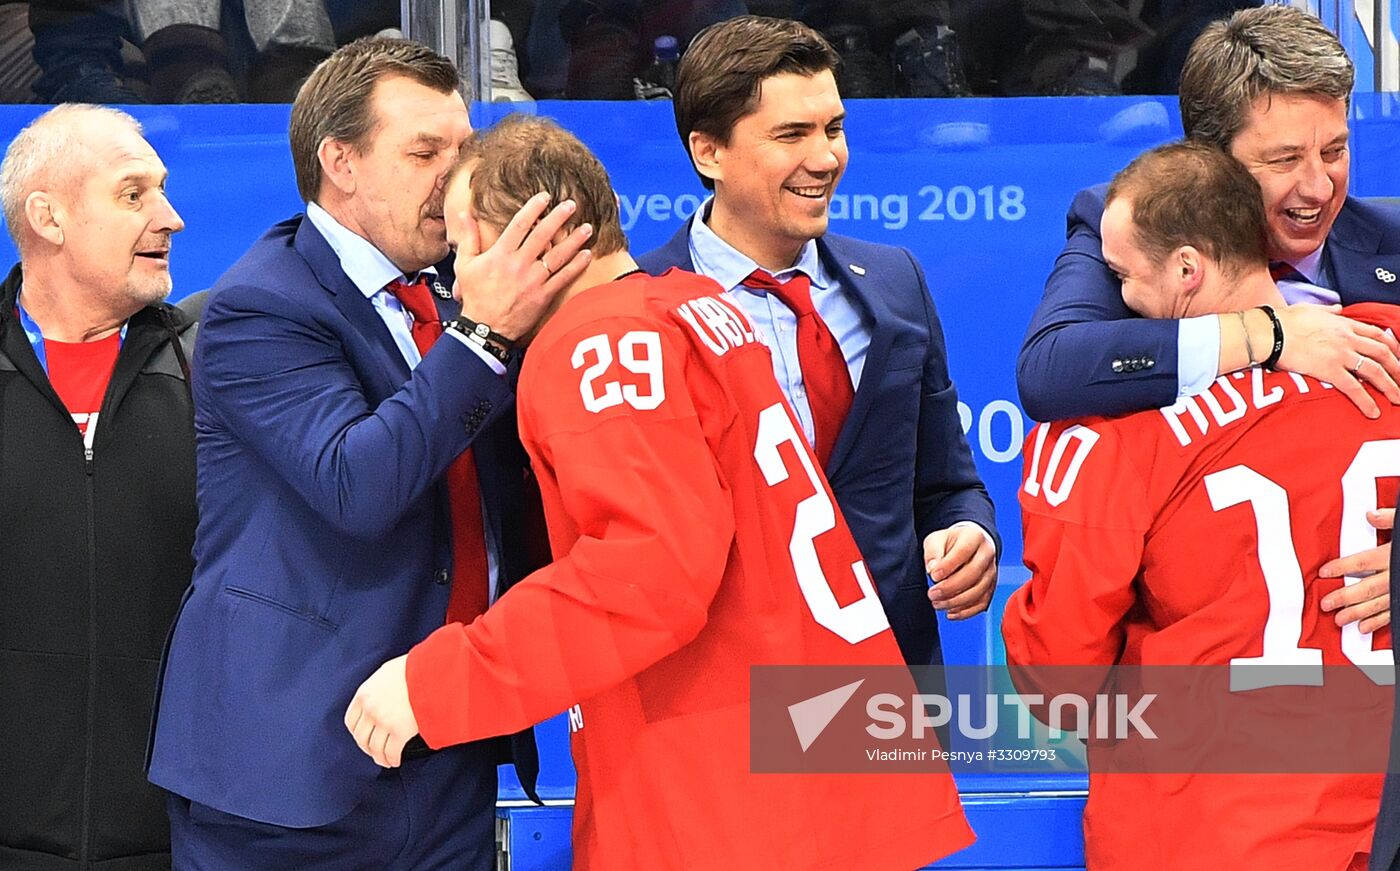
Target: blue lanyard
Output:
{"points": [[36, 336]]}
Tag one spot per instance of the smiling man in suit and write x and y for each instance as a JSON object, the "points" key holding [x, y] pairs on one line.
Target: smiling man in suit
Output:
{"points": [[1270, 87], [360, 482], [856, 343]]}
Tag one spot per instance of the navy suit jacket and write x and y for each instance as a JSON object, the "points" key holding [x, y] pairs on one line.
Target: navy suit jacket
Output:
{"points": [[324, 539], [901, 467], [1081, 326], [1385, 847]]}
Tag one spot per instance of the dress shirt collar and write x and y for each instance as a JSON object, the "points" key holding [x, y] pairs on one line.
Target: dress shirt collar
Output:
{"points": [[365, 265], [727, 265], [1310, 267]]}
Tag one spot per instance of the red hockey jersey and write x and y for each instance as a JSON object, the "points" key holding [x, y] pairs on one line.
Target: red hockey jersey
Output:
{"points": [[1193, 535], [694, 537]]}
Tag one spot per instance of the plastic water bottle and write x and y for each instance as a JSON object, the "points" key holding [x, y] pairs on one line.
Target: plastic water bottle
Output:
{"points": [[659, 80]]}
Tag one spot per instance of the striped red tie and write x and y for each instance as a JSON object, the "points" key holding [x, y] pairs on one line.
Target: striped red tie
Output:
{"points": [[1282, 270], [471, 576], [824, 372]]}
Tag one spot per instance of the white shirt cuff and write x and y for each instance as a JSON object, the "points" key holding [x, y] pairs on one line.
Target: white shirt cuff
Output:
{"points": [[980, 528], [496, 365], [1197, 354]]}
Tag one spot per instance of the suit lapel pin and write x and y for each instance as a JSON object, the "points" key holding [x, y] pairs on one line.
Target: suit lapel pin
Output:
{"points": [[441, 291], [1385, 274], [858, 270]]}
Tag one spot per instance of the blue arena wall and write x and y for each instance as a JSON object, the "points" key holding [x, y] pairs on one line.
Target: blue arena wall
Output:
{"points": [[976, 188]]}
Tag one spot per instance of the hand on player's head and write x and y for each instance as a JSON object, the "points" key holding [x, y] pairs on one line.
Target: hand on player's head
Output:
{"points": [[509, 278]]}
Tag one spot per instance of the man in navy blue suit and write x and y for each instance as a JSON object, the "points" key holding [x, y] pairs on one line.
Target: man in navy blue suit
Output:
{"points": [[1270, 86], [856, 343], [360, 481]]}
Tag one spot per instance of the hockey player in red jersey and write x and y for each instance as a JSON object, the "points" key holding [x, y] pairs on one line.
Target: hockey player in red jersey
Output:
{"points": [[694, 537], [1193, 535]]}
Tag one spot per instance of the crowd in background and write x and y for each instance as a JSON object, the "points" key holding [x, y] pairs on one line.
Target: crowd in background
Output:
{"points": [[259, 51]]}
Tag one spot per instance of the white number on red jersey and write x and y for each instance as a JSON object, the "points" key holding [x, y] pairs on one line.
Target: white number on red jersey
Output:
{"points": [[1289, 662], [598, 398], [857, 621], [1083, 440]]}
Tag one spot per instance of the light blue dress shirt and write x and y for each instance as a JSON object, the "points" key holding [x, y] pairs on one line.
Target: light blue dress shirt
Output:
{"points": [[774, 321], [1316, 289], [369, 270]]}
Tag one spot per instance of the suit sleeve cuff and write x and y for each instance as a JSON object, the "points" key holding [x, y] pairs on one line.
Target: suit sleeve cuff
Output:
{"points": [[1197, 354], [496, 365]]}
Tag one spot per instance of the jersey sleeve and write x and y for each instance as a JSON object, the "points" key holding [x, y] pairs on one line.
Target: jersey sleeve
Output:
{"points": [[1085, 517], [1383, 315], [609, 417]]}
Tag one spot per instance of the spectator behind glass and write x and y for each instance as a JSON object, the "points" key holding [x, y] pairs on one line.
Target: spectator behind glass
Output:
{"points": [[189, 57], [18, 71], [96, 489], [890, 48], [1176, 24], [610, 41], [78, 46]]}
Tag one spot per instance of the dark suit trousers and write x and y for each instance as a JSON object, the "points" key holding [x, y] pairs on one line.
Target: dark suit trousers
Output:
{"points": [[436, 812]]}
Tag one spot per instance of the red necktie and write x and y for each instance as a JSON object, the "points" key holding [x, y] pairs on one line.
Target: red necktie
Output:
{"points": [[824, 372], [1281, 270], [471, 577]]}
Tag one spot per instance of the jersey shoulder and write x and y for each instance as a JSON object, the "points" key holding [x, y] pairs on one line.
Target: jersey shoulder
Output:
{"points": [[1102, 472], [627, 301], [1377, 314], [1150, 451]]}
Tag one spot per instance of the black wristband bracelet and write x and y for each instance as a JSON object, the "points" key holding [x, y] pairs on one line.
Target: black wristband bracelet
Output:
{"points": [[1271, 361], [487, 339]]}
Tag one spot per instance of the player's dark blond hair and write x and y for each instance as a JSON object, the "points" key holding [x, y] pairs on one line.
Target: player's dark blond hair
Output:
{"points": [[1189, 193], [522, 155]]}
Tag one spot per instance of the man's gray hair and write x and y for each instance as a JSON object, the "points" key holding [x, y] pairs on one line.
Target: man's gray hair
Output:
{"points": [[1257, 52], [43, 153]]}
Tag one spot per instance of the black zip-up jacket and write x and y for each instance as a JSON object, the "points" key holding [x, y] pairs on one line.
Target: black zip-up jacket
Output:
{"points": [[94, 557]]}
